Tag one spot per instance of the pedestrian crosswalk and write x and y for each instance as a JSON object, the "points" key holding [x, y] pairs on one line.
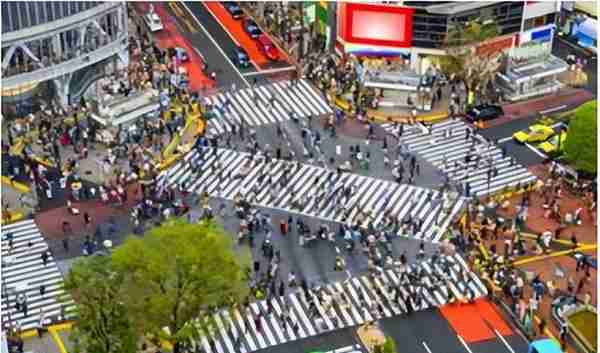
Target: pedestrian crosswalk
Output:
{"points": [[27, 281], [464, 156], [388, 293], [314, 191], [267, 104]]}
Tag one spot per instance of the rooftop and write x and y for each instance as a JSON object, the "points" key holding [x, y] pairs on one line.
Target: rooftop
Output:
{"points": [[454, 7]]}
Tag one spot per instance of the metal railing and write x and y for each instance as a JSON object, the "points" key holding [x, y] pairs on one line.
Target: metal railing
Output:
{"points": [[69, 66]]}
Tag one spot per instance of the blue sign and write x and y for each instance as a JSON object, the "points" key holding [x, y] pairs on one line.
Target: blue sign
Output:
{"points": [[542, 36]]}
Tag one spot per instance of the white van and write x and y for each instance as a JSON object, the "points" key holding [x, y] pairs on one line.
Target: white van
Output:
{"points": [[153, 21]]}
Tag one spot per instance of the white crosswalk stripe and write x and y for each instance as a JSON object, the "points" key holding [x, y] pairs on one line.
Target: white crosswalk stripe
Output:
{"points": [[446, 146], [268, 104], [345, 304], [24, 272], [311, 190]]}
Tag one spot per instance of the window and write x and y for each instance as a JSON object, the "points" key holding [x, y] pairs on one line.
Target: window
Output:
{"points": [[58, 13], [49, 11]]}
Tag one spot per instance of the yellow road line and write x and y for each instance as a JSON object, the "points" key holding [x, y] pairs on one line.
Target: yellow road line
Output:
{"points": [[15, 184], [57, 340], [382, 117], [555, 254], [14, 216], [28, 334], [560, 241]]}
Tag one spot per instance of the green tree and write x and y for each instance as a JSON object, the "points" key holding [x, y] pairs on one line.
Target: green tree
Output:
{"points": [[102, 324], [389, 346], [582, 139], [461, 62], [176, 275]]}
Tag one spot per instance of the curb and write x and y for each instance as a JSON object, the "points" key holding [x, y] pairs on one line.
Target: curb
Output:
{"points": [[384, 118], [15, 184]]}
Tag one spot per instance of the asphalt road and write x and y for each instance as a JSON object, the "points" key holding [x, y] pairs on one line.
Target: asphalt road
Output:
{"points": [[428, 332], [522, 153], [321, 343], [215, 44]]}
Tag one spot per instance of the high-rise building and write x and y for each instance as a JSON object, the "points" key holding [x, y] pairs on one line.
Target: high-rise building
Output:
{"points": [[56, 48]]}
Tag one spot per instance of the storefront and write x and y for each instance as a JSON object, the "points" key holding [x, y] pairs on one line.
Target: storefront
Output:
{"points": [[405, 89], [531, 69]]}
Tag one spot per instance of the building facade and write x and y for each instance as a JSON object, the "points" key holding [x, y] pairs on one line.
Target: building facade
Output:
{"points": [[54, 46], [430, 22]]}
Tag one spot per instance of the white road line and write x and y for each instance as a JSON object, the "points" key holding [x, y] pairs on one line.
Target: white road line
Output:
{"points": [[502, 140], [464, 343], [553, 109], [536, 151], [426, 347], [270, 71], [215, 43], [222, 25], [504, 341]]}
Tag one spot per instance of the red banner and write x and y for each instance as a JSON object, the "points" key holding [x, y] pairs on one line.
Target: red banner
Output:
{"points": [[494, 46]]}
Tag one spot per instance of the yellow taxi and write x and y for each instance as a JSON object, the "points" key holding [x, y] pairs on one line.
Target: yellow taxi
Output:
{"points": [[536, 133], [552, 144]]}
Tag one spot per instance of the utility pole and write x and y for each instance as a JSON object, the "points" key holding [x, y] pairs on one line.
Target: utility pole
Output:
{"points": [[301, 40], [331, 25]]}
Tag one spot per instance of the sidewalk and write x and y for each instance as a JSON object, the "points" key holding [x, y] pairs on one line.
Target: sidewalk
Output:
{"points": [[554, 269]]}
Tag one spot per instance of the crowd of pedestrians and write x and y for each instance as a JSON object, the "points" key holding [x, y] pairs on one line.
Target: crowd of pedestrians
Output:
{"points": [[485, 227]]}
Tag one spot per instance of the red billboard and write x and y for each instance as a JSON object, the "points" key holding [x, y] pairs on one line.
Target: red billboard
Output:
{"points": [[375, 24]]}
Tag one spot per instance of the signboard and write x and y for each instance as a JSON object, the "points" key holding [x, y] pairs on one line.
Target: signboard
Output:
{"points": [[310, 13], [494, 46], [540, 34], [372, 24]]}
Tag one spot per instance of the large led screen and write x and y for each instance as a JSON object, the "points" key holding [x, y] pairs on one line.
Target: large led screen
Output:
{"points": [[376, 24]]}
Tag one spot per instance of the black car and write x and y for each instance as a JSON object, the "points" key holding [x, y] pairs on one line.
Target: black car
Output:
{"points": [[240, 58], [484, 112], [234, 9], [252, 28]]}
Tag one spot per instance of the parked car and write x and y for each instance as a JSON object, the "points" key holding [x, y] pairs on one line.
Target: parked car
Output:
{"points": [[153, 21], [484, 112], [536, 133], [179, 52], [552, 145], [240, 58], [234, 9], [266, 47], [251, 28]]}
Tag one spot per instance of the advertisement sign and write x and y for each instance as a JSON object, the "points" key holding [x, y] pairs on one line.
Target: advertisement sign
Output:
{"points": [[495, 46], [370, 24], [539, 35]]}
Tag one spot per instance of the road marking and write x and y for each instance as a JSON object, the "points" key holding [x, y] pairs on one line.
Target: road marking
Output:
{"points": [[222, 25], [215, 43], [553, 109], [536, 151], [502, 140], [270, 71], [426, 347], [504, 341], [464, 343]]}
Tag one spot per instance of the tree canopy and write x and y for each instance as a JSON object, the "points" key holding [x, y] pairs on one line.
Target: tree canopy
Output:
{"points": [[582, 139], [103, 325], [169, 281], [460, 60]]}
